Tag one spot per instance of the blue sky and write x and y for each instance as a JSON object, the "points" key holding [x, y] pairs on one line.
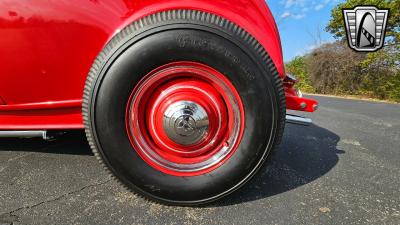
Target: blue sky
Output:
{"points": [[301, 24]]}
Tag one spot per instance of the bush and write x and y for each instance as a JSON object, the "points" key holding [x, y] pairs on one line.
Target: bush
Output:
{"points": [[334, 68]]}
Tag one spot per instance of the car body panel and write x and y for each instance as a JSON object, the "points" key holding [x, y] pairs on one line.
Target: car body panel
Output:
{"points": [[49, 46]]}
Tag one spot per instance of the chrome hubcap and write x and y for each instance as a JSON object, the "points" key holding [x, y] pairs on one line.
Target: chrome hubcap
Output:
{"points": [[185, 122]]}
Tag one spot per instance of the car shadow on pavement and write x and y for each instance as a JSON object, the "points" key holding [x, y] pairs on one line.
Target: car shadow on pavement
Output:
{"points": [[305, 154], [71, 142]]}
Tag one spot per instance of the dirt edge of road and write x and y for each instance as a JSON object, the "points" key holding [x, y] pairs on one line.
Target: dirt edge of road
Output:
{"points": [[354, 97]]}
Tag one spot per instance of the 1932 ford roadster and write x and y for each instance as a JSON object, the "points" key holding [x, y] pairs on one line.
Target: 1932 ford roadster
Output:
{"points": [[183, 100]]}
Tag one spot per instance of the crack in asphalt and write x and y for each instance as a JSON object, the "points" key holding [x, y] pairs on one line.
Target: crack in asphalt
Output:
{"points": [[11, 213], [20, 156], [14, 159]]}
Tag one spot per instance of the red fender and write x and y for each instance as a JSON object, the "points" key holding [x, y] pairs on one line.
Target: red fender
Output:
{"points": [[48, 48]]}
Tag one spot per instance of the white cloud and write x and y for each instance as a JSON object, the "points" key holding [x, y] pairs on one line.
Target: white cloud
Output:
{"points": [[294, 16], [285, 15], [289, 3], [294, 3], [298, 9], [299, 16], [319, 7]]}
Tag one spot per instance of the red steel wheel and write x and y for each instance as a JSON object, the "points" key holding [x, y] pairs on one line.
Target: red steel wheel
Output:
{"points": [[185, 119]]}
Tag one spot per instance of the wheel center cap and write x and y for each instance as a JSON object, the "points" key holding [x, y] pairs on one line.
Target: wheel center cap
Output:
{"points": [[185, 125], [185, 122]]}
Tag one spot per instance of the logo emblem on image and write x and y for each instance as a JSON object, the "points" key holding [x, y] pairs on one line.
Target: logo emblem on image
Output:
{"points": [[365, 27]]}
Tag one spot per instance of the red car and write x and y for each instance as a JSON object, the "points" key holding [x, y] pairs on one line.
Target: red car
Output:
{"points": [[182, 101]]}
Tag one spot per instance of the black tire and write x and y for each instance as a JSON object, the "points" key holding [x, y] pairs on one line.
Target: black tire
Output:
{"points": [[156, 40]]}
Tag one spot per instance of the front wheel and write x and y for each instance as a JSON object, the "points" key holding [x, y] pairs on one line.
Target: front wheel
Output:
{"points": [[183, 107]]}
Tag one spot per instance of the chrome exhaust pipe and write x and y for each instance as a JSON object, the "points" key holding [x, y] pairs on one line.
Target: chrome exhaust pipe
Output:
{"points": [[298, 120], [24, 134]]}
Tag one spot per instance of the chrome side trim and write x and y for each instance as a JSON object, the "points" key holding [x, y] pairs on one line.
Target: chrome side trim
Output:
{"points": [[298, 120], [23, 134]]}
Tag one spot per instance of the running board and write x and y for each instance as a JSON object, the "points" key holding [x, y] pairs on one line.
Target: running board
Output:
{"points": [[24, 134], [43, 133], [298, 120]]}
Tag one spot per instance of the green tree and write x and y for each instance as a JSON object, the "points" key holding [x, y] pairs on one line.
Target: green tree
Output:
{"points": [[336, 24], [298, 67], [381, 74]]}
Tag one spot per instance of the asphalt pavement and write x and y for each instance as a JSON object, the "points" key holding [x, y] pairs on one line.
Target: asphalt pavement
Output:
{"points": [[344, 169]]}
